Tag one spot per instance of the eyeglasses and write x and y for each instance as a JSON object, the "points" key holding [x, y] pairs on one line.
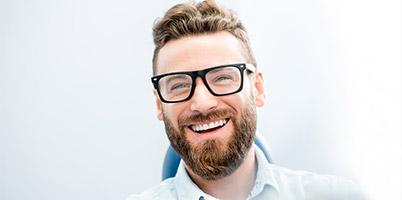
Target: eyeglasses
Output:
{"points": [[220, 81]]}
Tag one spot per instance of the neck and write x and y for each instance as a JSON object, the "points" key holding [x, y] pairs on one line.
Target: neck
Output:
{"points": [[237, 186]]}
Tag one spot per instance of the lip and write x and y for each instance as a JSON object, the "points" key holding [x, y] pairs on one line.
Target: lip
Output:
{"points": [[206, 126], [207, 121], [214, 133]]}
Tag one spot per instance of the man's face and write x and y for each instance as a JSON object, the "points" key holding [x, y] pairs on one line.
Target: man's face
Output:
{"points": [[211, 133]]}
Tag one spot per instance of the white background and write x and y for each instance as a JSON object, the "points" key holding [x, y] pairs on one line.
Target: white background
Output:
{"points": [[77, 118]]}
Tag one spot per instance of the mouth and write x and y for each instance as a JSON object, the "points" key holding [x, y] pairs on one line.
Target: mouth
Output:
{"points": [[208, 127]]}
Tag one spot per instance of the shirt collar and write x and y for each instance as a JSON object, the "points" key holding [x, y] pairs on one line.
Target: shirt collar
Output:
{"points": [[187, 189], [264, 176]]}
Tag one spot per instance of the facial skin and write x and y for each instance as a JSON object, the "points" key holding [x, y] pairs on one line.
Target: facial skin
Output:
{"points": [[219, 152]]}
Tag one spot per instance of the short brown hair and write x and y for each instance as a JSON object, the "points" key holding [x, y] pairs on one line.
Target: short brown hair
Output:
{"points": [[188, 19]]}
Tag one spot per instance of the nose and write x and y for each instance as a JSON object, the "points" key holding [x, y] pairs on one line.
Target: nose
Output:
{"points": [[202, 100]]}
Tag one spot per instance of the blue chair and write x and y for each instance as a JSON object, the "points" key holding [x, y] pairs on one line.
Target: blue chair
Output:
{"points": [[172, 159]]}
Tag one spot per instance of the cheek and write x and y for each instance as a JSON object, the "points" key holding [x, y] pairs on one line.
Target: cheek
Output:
{"points": [[172, 113], [240, 101], [235, 101]]}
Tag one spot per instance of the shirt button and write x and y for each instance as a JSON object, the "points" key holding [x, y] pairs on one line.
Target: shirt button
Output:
{"points": [[201, 198]]}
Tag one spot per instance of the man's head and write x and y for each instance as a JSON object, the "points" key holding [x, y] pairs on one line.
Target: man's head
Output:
{"points": [[191, 19], [205, 93]]}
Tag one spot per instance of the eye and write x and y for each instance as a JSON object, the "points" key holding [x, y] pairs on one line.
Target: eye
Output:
{"points": [[178, 86], [222, 78]]}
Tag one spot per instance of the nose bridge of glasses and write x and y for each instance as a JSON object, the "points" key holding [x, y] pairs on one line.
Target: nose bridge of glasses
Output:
{"points": [[201, 75], [202, 99], [200, 83], [200, 79]]}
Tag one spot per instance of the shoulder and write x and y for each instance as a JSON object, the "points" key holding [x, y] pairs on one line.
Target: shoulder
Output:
{"points": [[164, 190], [317, 186]]}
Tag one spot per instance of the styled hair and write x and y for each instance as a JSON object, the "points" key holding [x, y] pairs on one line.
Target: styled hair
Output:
{"points": [[188, 19]]}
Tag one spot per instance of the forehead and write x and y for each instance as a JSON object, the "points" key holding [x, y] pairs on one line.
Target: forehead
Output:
{"points": [[199, 52]]}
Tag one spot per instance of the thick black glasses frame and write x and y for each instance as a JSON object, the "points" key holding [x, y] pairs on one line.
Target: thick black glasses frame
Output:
{"points": [[201, 73]]}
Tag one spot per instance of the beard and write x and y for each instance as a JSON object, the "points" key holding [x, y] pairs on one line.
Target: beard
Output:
{"points": [[213, 159]]}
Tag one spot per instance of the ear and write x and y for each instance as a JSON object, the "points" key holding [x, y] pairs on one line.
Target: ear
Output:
{"points": [[259, 89], [158, 103]]}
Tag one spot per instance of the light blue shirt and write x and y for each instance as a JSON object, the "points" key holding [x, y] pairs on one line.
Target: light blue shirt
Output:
{"points": [[272, 183]]}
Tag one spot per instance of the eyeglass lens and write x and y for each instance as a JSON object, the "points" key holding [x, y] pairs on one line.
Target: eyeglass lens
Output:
{"points": [[221, 81]]}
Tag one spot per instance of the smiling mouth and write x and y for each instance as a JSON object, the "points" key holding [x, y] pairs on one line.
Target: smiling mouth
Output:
{"points": [[207, 127]]}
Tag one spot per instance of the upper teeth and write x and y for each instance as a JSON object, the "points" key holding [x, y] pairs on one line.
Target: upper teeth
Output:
{"points": [[203, 127]]}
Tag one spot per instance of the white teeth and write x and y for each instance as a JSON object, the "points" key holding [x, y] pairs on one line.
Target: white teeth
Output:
{"points": [[203, 127]]}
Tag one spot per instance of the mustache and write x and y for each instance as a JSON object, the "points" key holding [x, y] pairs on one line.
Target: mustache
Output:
{"points": [[198, 117]]}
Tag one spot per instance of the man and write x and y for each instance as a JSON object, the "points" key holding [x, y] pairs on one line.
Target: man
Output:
{"points": [[207, 88]]}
